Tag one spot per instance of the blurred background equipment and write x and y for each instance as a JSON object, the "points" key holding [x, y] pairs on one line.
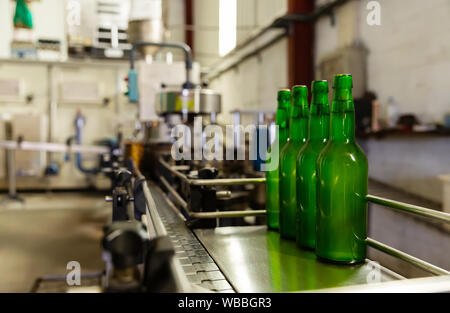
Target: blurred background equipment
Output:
{"points": [[98, 28], [92, 90]]}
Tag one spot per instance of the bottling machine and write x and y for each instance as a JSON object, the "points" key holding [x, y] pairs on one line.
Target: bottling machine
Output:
{"points": [[199, 225]]}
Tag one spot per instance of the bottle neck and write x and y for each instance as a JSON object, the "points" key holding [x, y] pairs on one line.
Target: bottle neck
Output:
{"points": [[282, 121], [298, 128], [343, 117], [283, 135], [319, 119]]}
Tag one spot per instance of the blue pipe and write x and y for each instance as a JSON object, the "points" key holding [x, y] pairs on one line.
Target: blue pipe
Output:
{"points": [[79, 124]]}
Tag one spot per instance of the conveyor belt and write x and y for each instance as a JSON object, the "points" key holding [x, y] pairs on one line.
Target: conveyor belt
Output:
{"points": [[198, 266], [252, 259], [256, 260]]}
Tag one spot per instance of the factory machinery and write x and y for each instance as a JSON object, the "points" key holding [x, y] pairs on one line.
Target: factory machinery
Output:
{"points": [[184, 232], [199, 226]]}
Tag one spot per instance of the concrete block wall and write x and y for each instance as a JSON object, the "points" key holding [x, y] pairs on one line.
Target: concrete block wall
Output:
{"points": [[254, 83], [409, 61], [410, 164]]}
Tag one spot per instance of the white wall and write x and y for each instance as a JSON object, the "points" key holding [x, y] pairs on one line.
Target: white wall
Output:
{"points": [[6, 7], [206, 36], [409, 57], [254, 83], [101, 120], [410, 164], [409, 60]]}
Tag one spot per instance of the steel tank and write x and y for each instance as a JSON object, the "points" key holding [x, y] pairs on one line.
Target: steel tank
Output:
{"points": [[147, 23]]}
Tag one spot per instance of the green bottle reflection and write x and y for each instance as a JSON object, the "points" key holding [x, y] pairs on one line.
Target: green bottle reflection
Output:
{"points": [[341, 228], [298, 132], [319, 124], [273, 177]]}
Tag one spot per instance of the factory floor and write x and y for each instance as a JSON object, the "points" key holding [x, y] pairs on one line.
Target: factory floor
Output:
{"points": [[42, 234]]}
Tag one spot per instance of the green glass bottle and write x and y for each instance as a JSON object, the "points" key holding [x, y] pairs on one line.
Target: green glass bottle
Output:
{"points": [[341, 228], [298, 132], [273, 177], [319, 125]]}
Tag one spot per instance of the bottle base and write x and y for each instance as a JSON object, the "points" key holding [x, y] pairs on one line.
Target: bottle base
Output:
{"points": [[287, 237], [271, 228], [305, 247], [352, 262]]}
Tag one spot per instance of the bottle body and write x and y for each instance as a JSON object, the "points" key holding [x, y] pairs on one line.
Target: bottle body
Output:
{"points": [[298, 133], [342, 169], [342, 206], [319, 121], [272, 199], [288, 202], [307, 194], [273, 176]]}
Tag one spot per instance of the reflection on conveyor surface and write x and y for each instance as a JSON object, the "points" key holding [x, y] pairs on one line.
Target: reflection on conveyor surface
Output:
{"points": [[256, 260]]}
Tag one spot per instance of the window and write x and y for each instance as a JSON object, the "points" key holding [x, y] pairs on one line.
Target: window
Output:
{"points": [[227, 26]]}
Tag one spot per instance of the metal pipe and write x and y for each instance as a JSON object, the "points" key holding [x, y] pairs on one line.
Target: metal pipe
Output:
{"points": [[175, 194], [79, 124], [173, 171], [187, 51], [11, 160], [283, 22], [406, 257], [248, 55], [181, 167], [53, 147], [441, 216], [213, 182], [228, 214], [52, 106]]}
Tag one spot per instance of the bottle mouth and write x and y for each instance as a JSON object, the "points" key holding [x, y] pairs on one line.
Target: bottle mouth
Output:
{"points": [[284, 97], [343, 81], [300, 92], [319, 86]]}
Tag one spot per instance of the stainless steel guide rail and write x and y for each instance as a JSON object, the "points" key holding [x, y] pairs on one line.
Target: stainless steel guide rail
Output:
{"points": [[155, 227], [396, 205], [209, 182], [414, 209], [212, 182], [406, 257]]}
